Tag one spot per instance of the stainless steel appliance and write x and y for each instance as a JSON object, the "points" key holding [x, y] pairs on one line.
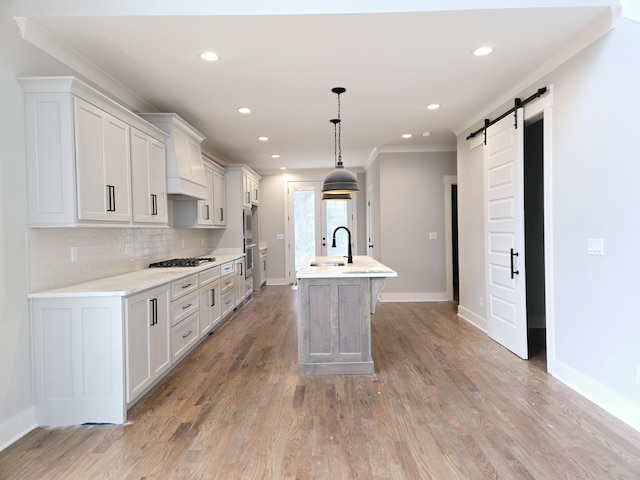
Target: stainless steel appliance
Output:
{"points": [[247, 221], [249, 246]]}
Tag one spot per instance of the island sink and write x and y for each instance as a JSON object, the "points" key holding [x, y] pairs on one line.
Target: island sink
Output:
{"points": [[336, 300], [327, 263]]}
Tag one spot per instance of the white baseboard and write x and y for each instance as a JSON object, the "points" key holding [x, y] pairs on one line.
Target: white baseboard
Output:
{"points": [[277, 281], [617, 405], [475, 320], [414, 297], [16, 427]]}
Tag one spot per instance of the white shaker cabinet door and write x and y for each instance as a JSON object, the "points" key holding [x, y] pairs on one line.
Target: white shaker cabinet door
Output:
{"points": [[219, 200], [148, 175], [102, 162], [205, 212], [147, 340]]}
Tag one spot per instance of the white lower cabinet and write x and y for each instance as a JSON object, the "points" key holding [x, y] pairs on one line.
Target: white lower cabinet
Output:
{"points": [[239, 281], [210, 311], [147, 339], [94, 356], [78, 360], [184, 336], [185, 307]]}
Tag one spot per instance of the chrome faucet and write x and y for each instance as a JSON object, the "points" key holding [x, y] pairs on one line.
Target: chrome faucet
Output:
{"points": [[333, 244]]}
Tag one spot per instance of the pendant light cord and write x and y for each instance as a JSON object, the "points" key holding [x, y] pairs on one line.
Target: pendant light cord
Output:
{"points": [[339, 164]]}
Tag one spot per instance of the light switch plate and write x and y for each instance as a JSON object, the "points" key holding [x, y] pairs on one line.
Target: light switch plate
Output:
{"points": [[433, 235], [595, 246]]}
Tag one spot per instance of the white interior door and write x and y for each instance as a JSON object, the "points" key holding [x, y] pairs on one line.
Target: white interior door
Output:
{"points": [[504, 234]]}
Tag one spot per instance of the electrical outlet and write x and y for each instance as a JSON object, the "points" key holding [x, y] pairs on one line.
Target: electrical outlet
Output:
{"points": [[74, 254], [433, 235], [595, 246]]}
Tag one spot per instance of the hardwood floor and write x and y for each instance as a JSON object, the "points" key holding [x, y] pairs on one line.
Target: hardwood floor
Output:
{"points": [[446, 402]]}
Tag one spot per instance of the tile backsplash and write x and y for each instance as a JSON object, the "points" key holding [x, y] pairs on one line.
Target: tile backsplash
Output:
{"points": [[104, 252]]}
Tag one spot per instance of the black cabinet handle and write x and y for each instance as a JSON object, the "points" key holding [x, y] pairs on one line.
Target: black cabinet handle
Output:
{"points": [[513, 272], [221, 214], [154, 311], [111, 198], [213, 297], [207, 210], [187, 334], [154, 204]]}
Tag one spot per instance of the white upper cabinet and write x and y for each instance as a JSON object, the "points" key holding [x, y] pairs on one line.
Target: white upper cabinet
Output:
{"points": [[250, 189], [102, 164], [219, 199], [78, 151], [209, 212], [185, 170], [148, 174], [204, 207]]}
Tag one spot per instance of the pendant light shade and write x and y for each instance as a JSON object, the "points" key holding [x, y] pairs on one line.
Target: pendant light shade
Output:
{"points": [[340, 182], [336, 196]]}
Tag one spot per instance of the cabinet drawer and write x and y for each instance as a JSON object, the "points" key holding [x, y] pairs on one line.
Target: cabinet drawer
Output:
{"points": [[226, 268], [226, 282], [184, 286], [209, 275], [184, 336], [182, 308], [227, 301]]}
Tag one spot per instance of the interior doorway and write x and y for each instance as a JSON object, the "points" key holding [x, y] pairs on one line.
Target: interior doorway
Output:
{"points": [[534, 238], [311, 223], [454, 244]]}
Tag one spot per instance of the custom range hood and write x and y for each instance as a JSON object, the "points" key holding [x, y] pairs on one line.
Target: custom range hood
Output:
{"points": [[185, 170]]}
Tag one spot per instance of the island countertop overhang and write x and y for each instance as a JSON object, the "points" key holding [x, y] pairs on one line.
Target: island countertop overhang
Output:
{"points": [[362, 266]]}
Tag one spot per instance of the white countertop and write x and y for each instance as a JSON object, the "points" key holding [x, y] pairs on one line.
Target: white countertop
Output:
{"points": [[362, 266], [130, 283]]}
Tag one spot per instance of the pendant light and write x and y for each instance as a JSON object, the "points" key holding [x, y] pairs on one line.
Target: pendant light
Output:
{"points": [[340, 181]]}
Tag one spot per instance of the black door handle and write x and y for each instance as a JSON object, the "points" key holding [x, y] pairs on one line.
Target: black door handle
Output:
{"points": [[513, 272]]}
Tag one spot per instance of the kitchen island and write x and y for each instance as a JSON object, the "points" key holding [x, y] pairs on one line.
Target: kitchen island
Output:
{"points": [[335, 303]]}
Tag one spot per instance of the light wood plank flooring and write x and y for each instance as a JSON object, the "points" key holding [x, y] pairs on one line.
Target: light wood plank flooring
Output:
{"points": [[446, 402]]}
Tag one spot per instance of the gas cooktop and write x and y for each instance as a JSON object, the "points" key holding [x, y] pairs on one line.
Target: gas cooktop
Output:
{"points": [[182, 262]]}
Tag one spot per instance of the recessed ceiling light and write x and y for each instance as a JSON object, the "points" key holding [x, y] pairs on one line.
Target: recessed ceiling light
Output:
{"points": [[275, 155], [244, 110], [406, 135], [263, 139], [482, 51], [283, 168], [433, 106], [209, 56], [426, 134]]}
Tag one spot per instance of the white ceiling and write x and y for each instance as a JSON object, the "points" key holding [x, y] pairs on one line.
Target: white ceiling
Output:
{"points": [[284, 66]]}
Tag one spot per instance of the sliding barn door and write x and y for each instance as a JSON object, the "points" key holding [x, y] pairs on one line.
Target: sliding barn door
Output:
{"points": [[504, 227]]}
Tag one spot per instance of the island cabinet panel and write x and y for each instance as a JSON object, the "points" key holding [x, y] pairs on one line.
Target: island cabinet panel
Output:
{"points": [[334, 326]]}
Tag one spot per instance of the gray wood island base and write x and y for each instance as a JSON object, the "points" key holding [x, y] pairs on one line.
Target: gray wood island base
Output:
{"points": [[334, 316]]}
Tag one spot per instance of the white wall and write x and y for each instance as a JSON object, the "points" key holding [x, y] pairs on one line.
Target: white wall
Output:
{"points": [[16, 406], [594, 169], [411, 201], [272, 224]]}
